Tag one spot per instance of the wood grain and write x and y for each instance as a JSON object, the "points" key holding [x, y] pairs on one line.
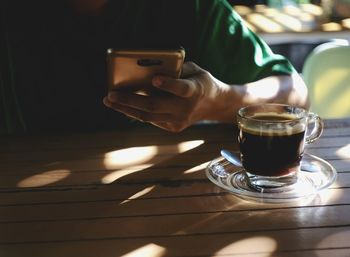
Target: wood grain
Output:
{"points": [[59, 197]]}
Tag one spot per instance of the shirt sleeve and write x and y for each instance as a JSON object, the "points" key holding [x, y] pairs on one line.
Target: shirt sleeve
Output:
{"points": [[229, 50]]}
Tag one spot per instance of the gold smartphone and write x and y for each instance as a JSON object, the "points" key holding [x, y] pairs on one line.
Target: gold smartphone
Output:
{"points": [[134, 69]]}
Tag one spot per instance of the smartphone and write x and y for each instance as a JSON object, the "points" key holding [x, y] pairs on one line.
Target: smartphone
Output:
{"points": [[134, 69]]}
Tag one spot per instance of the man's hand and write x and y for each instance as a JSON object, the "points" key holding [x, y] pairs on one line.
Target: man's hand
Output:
{"points": [[185, 103], [197, 95]]}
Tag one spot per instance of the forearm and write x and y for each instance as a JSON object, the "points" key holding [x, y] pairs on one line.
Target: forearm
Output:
{"points": [[198, 96], [275, 89]]}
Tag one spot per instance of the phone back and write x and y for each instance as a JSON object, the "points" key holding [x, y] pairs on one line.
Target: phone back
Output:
{"points": [[136, 68]]}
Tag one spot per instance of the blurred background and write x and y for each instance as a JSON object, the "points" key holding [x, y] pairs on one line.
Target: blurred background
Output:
{"points": [[295, 27]]}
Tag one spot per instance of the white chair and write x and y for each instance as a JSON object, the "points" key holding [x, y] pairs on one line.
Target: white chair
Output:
{"points": [[326, 72]]}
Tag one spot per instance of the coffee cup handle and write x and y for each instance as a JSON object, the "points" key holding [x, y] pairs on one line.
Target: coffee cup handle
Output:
{"points": [[317, 128]]}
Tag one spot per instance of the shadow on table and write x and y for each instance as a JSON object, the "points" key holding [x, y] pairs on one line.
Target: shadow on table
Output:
{"points": [[168, 208]]}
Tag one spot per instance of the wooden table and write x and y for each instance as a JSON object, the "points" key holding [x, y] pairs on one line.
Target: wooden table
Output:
{"points": [[143, 192]]}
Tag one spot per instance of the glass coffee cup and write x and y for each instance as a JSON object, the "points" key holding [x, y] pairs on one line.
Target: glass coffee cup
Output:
{"points": [[271, 142]]}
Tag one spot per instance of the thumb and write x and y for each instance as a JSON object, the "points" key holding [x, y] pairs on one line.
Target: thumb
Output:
{"points": [[180, 87]]}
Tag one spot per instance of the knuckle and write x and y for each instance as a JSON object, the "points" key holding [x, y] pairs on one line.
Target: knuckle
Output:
{"points": [[205, 75], [192, 65]]}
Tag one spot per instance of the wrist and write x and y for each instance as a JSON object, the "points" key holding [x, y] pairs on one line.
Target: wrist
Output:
{"points": [[222, 102]]}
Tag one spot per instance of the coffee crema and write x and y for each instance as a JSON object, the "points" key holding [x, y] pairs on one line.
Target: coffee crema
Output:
{"points": [[272, 152], [274, 117]]}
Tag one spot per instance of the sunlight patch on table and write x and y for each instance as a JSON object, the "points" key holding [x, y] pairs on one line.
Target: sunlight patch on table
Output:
{"points": [[188, 145], [331, 26], [290, 22], [197, 168], [144, 154], [130, 156], [344, 152], [130, 160], [312, 9], [150, 250], [262, 245], [44, 178], [139, 194], [117, 174], [271, 12], [242, 9], [346, 23], [264, 23]]}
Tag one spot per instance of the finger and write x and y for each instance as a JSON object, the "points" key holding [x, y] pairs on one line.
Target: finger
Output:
{"points": [[162, 125], [179, 87], [141, 115], [153, 104], [106, 102], [169, 126], [164, 122]]}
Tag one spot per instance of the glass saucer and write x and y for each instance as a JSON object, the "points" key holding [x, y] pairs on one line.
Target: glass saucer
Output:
{"points": [[316, 174]]}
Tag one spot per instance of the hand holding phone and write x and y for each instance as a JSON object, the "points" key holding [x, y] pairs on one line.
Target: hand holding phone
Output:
{"points": [[134, 69]]}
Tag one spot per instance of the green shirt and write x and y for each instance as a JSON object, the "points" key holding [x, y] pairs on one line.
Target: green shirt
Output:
{"points": [[53, 68]]}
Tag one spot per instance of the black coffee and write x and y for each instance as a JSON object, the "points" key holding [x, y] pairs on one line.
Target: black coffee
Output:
{"points": [[269, 152]]}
